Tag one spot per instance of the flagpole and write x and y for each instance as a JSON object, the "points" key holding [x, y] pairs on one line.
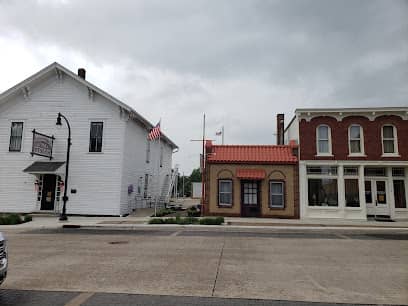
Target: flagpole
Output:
{"points": [[158, 172], [222, 131]]}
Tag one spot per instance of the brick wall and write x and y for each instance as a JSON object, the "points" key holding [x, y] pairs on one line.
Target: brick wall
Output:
{"points": [[339, 135]]}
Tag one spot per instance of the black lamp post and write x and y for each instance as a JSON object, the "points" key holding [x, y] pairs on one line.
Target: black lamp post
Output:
{"points": [[63, 216]]}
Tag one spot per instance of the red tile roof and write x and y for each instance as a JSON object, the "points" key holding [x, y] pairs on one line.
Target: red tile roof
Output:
{"points": [[251, 174], [249, 154]]}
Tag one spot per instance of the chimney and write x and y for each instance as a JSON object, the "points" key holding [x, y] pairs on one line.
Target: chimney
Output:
{"points": [[81, 73], [280, 120]]}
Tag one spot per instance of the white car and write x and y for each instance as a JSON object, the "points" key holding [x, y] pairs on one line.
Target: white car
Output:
{"points": [[3, 258]]}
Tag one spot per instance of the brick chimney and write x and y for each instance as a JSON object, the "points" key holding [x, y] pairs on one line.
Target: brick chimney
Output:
{"points": [[280, 121], [81, 73]]}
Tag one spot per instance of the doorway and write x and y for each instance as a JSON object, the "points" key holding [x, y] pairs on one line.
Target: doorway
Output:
{"points": [[377, 199], [48, 192], [250, 199]]}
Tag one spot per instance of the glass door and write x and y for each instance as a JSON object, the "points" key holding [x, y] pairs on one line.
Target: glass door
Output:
{"points": [[381, 198]]}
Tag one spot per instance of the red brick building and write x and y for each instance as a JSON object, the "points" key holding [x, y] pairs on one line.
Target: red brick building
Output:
{"points": [[353, 163]]}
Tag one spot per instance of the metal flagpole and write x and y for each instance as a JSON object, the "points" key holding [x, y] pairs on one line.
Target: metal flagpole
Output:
{"points": [[158, 172], [222, 131]]}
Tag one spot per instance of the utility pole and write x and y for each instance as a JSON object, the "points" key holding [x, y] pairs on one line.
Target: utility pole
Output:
{"points": [[183, 185]]}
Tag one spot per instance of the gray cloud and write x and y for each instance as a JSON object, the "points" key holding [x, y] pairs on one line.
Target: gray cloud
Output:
{"points": [[239, 61]]}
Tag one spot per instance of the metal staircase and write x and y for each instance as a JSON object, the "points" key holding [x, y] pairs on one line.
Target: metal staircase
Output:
{"points": [[168, 186]]}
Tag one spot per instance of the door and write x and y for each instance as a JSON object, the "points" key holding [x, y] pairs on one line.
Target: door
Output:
{"points": [[376, 197], [48, 192], [250, 199], [381, 199]]}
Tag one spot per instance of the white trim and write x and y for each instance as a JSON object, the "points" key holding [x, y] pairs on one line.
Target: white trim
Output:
{"points": [[394, 139], [22, 135], [361, 139], [104, 121], [231, 192], [329, 141], [270, 204]]}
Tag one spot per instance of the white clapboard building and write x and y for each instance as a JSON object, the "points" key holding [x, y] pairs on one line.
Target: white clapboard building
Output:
{"points": [[113, 167]]}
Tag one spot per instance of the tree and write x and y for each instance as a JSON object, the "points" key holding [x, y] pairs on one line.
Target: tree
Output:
{"points": [[195, 176]]}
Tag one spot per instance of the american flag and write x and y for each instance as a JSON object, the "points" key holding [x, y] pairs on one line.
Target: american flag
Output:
{"points": [[154, 132]]}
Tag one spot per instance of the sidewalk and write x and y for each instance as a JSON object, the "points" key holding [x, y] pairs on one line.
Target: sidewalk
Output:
{"points": [[132, 222]]}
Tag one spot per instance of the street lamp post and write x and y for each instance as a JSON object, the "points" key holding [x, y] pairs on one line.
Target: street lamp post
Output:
{"points": [[63, 216]]}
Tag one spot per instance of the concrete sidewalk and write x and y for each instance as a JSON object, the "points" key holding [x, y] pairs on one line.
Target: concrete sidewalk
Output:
{"points": [[51, 221]]}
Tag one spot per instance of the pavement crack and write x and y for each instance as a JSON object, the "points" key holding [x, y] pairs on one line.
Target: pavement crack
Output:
{"points": [[218, 268]]}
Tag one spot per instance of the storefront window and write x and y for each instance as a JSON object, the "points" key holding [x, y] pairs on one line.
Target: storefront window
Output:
{"points": [[323, 192], [351, 193], [368, 192], [399, 193]]}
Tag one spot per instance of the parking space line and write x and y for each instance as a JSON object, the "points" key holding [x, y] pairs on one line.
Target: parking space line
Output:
{"points": [[80, 299], [175, 233]]}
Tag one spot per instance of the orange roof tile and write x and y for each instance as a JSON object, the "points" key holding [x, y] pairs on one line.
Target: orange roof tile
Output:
{"points": [[260, 154], [251, 174]]}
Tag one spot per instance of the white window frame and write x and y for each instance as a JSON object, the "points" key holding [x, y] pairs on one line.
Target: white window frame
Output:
{"points": [[361, 139], [271, 205], [219, 192], [395, 139], [329, 140], [323, 176], [22, 135], [90, 121]]}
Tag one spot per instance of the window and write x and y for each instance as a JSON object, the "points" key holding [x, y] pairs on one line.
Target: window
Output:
{"points": [[356, 145], [368, 192], [351, 171], [399, 194], [398, 172], [16, 136], [161, 155], [148, 151], [95, 139], [325, 170], [146, 185], [323, 140], [351, 193], [374, 171], [225, 192], [276, 194], [389, 139], [322, 192]]}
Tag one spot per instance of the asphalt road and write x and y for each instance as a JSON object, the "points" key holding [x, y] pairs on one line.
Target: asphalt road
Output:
{"points": [[198, 267], [60, 298]]}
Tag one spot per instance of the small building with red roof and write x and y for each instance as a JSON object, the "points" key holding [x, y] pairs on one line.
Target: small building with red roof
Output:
{"points": [[251, 181]]}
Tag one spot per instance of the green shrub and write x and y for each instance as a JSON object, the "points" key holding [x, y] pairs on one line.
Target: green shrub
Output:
{"points": [[170, 220], [212, 221], [28, 218], [163, 212], [193, 212], [10, 219], [156, 221]]}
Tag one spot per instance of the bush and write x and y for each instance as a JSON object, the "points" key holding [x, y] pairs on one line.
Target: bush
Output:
{"points": [[156, 221], [193, 212], [10, 219], [212, 221], [28, 218], [163, 212]]}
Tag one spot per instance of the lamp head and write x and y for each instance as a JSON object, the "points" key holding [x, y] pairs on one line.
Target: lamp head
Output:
{"points": [[59, 119]]}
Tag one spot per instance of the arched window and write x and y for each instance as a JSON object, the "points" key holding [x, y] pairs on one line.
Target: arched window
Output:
{"points": [[389, 139], [323, 140], [356, 140]]}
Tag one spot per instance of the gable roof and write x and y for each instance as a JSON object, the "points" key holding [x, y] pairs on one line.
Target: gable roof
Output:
{"points": [[252, 154], [54, 68]]}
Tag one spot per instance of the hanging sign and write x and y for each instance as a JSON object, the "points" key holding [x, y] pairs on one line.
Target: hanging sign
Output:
{"points": [[42, 145]]}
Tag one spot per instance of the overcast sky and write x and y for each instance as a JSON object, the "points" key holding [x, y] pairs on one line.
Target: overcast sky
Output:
{"points": [[240, 62]]}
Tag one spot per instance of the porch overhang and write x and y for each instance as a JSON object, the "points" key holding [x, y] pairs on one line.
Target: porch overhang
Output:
{"points": [[45, 167], [251, 174]]}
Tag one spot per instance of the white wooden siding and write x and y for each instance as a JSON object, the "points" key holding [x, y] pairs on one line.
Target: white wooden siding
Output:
{"points": [[96, 176]]}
